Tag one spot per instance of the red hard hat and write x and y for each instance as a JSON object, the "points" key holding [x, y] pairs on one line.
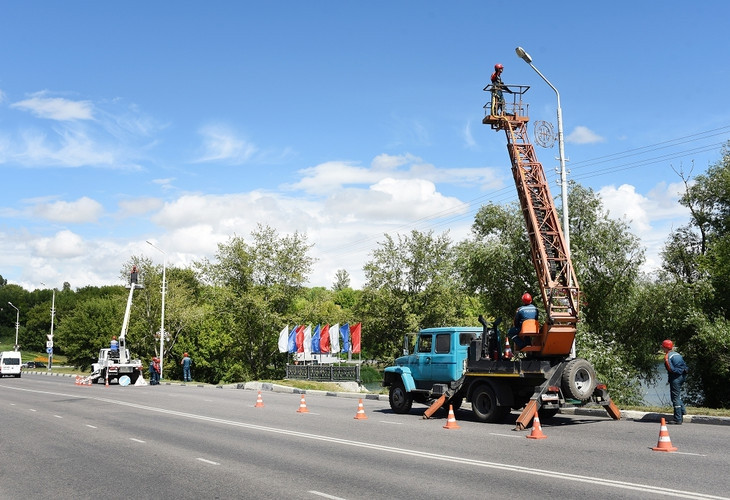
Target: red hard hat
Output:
{"points": [[498, 67], [526, 298], [185, 354], [668, 344]]}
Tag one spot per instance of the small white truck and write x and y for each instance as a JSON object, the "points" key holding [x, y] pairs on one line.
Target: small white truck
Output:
{"points": [[115, 363]]}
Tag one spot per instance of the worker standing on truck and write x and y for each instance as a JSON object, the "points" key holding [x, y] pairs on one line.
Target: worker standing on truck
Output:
{"points": [[497, 88], [114, 345], [526, 311], [677, 374], [186, 367]]}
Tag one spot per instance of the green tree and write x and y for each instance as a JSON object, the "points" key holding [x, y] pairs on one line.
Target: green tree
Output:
{"points": [[253, 289], [696, 265], [90, 327], [495, 263], [411, 283]]}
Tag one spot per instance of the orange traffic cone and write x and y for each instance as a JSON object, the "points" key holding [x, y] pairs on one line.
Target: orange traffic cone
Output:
{"points": [[78, 380], [536, 429], [302, 406], [507, 354], [360, 415], [106, 381], [451, 421], [259, 401], [664, 443]]}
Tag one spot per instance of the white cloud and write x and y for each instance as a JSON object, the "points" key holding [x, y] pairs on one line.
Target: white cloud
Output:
{"points": [[138, 206], [82, 210], [651, 217], [468, 137], [330, 176], [63, 244], [583, 135], [220, 144], [56, 108]]}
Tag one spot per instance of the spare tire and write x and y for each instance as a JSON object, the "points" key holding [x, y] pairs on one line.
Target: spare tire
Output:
{"points": [[579, 380]]}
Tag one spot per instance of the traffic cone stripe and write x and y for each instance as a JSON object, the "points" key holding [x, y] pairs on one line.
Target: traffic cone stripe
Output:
{"points": [[360, 415], [664, 443], [451, 421]]}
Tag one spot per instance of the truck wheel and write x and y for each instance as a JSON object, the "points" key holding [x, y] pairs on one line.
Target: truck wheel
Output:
{"points": [[400, 400], [579, 380], [484, 405], [456, 403]]}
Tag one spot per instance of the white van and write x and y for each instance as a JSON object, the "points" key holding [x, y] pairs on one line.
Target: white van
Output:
{"points": [[10, 363]]}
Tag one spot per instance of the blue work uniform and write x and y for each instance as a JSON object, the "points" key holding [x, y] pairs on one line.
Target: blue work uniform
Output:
{"points": [[528, 311], [677, 374]]}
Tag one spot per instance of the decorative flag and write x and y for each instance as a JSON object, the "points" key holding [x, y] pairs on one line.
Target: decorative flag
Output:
{"points": [[335, 339], [307, 341], [315, 341], [324, 338], [345, 331], [283, 339], [300, 338], [355, 337], [292, 345]]}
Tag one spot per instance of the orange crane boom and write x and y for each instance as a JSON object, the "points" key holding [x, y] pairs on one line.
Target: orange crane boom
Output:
{"points": [[550, 254]]}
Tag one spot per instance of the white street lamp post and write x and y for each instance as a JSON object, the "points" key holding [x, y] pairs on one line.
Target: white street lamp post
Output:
{"points": [[561, 148], [17, 324], [50, 338], [162, 316]]}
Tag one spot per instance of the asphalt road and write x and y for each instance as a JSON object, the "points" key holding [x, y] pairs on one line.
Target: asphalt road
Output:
{"points": [[172, 441]]}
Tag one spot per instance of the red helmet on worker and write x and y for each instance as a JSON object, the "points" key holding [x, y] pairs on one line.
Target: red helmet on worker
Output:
{"points": [[498, 67], [668, 344], [526, 298]]}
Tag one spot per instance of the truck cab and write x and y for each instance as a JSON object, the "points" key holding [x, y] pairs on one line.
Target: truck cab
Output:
{"points": [[438, 360]]}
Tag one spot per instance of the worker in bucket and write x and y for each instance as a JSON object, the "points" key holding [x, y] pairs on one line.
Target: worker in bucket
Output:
{"points": [[497, 88], [186, 361], [677, 374], [114, 344], [526, 311]]}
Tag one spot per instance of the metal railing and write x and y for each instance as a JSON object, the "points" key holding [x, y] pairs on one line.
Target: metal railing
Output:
{"points": [[323, 373]]}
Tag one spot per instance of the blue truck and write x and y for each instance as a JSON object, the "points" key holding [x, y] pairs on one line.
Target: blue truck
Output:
{"points": [[450, 365]]}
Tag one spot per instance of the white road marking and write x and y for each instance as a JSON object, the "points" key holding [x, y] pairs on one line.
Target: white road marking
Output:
{"points": [[137, 440], [207, 461], [92, 426], [32, 409], [324, 495], [507, 435], [463, 461], [58, 416], [389, 422]]}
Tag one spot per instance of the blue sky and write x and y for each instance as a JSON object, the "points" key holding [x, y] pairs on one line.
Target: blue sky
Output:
{"points": [[184, 123]]}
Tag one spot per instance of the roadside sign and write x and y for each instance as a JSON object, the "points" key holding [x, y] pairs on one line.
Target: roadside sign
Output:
{"points": [[49, 343], [49, 350]]}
